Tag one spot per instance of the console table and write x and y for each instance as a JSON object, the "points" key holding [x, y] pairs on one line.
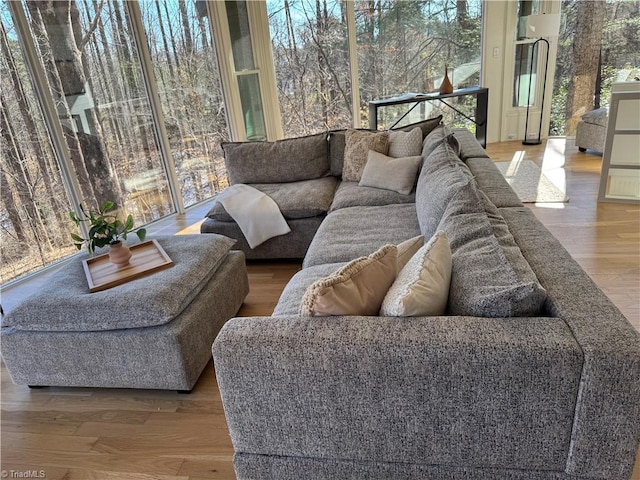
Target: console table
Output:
{"points": [[480, 117]]}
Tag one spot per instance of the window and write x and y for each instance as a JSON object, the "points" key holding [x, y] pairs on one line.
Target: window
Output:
{"points": [[526, 59], [184, 61], [311, 58], [403, 46], [34, 203]]}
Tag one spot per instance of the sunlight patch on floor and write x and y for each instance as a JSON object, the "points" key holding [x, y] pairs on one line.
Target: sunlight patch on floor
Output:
{"points": [[553, 162]]}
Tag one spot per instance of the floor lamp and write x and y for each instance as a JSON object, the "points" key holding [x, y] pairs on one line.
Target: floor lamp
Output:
{"points": [[546, 25]]}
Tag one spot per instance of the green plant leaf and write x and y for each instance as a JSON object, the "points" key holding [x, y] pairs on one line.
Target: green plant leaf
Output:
{"points": [[141, 233]]}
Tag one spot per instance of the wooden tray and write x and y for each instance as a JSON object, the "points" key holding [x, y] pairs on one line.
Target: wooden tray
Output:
{"points": [[146, 258]]}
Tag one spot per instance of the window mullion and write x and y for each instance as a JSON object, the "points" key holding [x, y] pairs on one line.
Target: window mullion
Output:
{"points": [[49, 111], [154, 101]]}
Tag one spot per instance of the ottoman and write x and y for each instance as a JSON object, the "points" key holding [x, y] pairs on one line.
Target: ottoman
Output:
{"points": [[154, 332]]}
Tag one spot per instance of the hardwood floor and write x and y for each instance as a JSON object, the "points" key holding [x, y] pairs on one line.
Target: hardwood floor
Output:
{"points": [[108, 434]]}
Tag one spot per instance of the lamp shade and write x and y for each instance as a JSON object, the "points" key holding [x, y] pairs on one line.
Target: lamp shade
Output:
{"points": [[546, 25]]}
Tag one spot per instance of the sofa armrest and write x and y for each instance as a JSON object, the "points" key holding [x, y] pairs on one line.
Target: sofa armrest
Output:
{"points": [[442, 390], [606, 429]]}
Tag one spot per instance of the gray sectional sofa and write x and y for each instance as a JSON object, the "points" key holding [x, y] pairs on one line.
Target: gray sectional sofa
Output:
{"points": [[531, 373]]}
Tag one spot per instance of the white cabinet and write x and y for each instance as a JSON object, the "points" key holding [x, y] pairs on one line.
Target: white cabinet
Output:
{"points": [[620, 176]]}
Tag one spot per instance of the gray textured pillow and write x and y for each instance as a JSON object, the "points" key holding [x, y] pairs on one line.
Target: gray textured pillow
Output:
{"points": [[288, 160], [358, 144], [397, 174], [405, 144]]}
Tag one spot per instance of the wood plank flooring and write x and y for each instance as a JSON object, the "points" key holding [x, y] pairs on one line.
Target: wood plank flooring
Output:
{"points": [[109, 434]]}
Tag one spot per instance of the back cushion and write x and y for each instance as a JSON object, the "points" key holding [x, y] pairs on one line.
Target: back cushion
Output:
{"points": [[484, 283], [442, 175], [337, 142], [288, 160]]}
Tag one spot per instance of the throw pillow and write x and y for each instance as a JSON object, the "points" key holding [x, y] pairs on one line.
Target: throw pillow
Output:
{"points": [[397, 174], [406, 251], [405, 144], [426, 126], [422, 286], [358, 288], [358, 144]]}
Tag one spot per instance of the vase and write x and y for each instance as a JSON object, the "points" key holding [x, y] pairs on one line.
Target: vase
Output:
{"points": [[446, 86], [119, 254]]}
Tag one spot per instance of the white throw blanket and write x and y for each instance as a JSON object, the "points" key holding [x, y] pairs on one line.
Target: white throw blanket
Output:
{"points": [[257, 215]]}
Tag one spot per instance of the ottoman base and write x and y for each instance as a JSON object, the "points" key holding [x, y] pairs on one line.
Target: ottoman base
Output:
{"points": [[169, 357]]}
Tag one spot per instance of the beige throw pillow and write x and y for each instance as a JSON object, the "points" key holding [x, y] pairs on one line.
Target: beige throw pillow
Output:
{"points": [[357, 146], [405, 144], [396, 174], [406, 251], [422, 286], [358, 288]]}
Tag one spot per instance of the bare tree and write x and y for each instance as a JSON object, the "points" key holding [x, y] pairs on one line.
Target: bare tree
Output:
{"points": [[586, 61]]}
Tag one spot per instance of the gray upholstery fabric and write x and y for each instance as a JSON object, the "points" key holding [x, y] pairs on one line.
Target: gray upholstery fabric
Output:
{"points": [[65, 303], [607, 418], [288, 160], [439, 390], [599, 116], [249, 466], [170, 356], [491, 181], [469, 146], [337, 144], [483, 282], [289, 302], [506, 241], [591, 136], [434, 139], [350, 194], [376, 226], [292, 245], [426, 126], [441, 177], [307, 198]]}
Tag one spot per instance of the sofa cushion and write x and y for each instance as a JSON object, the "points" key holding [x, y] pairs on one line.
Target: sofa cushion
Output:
{"points": [[335, 240], [357, 288], [395, 174], [422, 286], [599, 116], [304, 199], [405, 144], [492, 182], [358, 144], [426, 126], [351, 194], [288, 160], [435, 138], [289, 301], [64, 303], [483, 282], [442, 175], [337, 142], [510, 248], [468, 145]]}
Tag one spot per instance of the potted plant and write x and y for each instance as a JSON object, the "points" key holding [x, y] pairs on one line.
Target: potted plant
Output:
{"points": [[105, 228]]}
